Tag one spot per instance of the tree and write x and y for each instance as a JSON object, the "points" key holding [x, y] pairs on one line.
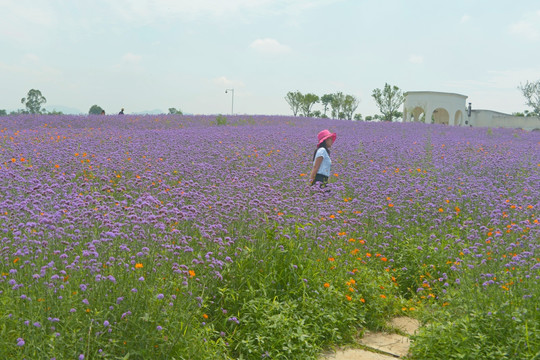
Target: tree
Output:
{"points": [[308, 101], [350, 104], [326, 100], [95, 110], [3, 112], [338, 100], [388, 100], [173, 111], [358, 117], [33, 101], [294, 99], [531, 92]]}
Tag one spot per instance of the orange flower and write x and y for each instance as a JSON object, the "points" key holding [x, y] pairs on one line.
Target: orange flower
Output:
{"points": [[441, 210], [15, 260], [138, 266], [362, 300], [326, 285], [348, 298], [205, 316], [368, 254], [384, 259], [383, 296], [191, 273], [390, 205], [331, 259]]}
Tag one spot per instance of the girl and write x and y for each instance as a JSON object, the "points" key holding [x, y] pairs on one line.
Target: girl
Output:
{"points": [[321, 158]]}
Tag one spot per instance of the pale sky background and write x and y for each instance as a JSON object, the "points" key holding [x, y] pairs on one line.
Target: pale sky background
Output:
{"points": [[155, 54]]}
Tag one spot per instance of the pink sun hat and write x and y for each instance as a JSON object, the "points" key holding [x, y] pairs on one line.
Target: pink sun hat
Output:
{"points": [[325, 134]]}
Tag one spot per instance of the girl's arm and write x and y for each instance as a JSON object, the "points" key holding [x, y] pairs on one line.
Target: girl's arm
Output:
{"points": [[316, 167]]}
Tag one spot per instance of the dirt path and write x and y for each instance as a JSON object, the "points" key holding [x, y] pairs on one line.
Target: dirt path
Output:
{"points": [[381, 346]]}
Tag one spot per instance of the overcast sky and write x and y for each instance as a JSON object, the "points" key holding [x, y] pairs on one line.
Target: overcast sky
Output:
{"points": [[156, 54]]}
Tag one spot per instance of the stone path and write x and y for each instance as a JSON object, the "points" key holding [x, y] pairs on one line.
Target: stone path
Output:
{"points": [[384, 346]]}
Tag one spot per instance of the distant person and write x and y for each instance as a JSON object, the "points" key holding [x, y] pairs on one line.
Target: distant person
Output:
{"points": [[102, 112], [321, 158], [121, 112]]}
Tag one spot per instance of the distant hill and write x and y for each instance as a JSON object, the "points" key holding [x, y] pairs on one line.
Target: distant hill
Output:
{"points": [[149, 112], [65, 109]]}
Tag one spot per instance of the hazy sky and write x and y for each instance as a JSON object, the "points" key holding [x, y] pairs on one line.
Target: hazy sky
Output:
{"points": [[156, 54]]}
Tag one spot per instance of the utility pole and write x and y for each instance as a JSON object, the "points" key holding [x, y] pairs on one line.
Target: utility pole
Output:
{"points": [[232, 99]]}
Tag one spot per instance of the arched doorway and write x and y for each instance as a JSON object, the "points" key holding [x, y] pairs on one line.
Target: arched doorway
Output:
{"points": [[418, 114], [458, 118], [440, 116]]}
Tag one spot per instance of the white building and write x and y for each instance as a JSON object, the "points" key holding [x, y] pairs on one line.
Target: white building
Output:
{"points": [[451, 109]]}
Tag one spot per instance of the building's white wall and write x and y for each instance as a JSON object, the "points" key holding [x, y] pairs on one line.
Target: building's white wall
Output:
{"points": [[493, 119]]}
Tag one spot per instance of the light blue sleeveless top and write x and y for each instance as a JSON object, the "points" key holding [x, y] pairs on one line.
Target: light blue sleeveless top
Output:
{"points": [[326, 162]]}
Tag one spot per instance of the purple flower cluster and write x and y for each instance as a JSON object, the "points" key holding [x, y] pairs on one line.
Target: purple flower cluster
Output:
{"points": [[102, 211]]}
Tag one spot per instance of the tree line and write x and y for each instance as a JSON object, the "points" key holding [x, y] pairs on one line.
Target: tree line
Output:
{"points": [[343, 106], [34, 100]]}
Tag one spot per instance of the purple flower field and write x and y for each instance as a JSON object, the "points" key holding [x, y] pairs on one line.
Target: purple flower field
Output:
{"points": [[129, 235]]}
